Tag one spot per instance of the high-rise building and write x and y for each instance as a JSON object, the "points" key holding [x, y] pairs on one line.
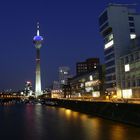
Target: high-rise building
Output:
{"points": [[119, 24], [87, 66], [37, 40], [64, 74]]}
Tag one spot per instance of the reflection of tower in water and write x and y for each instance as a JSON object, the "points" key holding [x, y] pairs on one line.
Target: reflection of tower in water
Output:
{"points": [[37, 40]]}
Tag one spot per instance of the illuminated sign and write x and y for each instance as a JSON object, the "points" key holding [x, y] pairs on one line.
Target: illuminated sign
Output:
{"points": [[127, 67], [127, 93]]}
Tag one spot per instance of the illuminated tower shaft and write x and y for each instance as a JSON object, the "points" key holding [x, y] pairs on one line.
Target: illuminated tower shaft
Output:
{"points": [[38, 74], [38, 43]]}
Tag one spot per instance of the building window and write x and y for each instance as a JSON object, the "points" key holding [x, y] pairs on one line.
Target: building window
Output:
{"points": [[132, 30], [132, 36], [109, 57], [127, 67], [127, 93], [131, 18], [111, 70], [136, 55], [128, 84], [109, 44], [103, 18], [65, 72], [110, 78], [109, 50], [122, 61], [110, 85], [111, 63], [126, 60], [131, 58], [134, 83], [107, 32], [138, 82], [123, 84], [131, 24], [103, 27], [90, 77]]}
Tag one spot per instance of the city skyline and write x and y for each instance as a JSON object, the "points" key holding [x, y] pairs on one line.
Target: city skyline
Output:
{"points": [[71, 34]]}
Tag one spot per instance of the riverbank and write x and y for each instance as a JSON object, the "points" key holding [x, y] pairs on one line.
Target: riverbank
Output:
{"points": [[122, 112]]}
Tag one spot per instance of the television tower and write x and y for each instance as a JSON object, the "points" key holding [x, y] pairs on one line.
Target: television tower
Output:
{"points": [[37, 40]]}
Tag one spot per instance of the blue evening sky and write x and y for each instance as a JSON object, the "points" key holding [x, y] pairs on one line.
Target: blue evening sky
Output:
{"points": [[70, 31]]}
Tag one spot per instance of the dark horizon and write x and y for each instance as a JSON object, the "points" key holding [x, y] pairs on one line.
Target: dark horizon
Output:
{"points": [[70, 32]]}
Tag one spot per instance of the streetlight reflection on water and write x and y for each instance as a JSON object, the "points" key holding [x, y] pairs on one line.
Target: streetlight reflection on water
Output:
{"points": [[44, 122]]}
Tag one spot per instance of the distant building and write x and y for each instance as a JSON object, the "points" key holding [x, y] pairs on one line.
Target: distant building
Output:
{"points": [[87, 66], [130, 71], [28, 88], [118, 26], [64, 74], [67, 91], [56, 85]]}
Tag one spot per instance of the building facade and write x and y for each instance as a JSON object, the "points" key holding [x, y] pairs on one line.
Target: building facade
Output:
{"points": [[56, 85], [118, 25], [87, 66], [130, 71], [64, 74], [87, 84]]}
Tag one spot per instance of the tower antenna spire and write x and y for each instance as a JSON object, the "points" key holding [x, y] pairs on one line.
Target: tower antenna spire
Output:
{"points": [[37, 28]]}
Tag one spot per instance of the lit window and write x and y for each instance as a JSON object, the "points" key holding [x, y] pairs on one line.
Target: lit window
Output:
{"points": [[90, 77], [127, 67], [96, 94], [110, 37], [62, 81], [82, 85], [65, 72], [132, 36], [109, 44], [127, 93]]}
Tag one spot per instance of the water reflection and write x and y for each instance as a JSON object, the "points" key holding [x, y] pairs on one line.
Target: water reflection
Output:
{"points": [[37, 122]]}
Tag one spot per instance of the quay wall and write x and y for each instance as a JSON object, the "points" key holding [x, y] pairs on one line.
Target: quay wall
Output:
{"points": [[122, 112]]}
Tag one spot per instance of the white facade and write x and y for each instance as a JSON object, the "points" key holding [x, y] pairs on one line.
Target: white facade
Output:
{"points": [[118, 25]]}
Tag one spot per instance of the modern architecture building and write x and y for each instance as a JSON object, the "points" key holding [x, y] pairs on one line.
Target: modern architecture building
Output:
{"points": [[87, 66], [37, 40], [64, 74], [130, 71], [118, 24], [87, 84]]}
